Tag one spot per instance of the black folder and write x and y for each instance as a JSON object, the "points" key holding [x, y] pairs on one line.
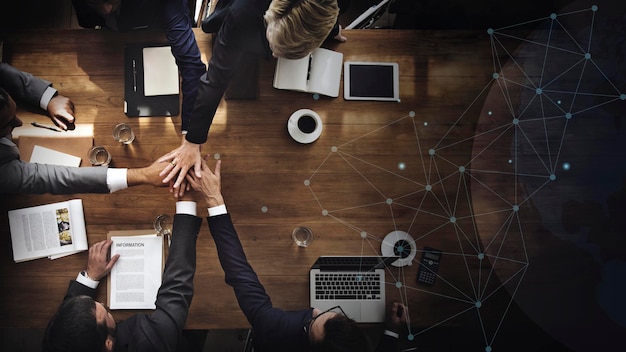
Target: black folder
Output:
{"points": [[136, 103]]}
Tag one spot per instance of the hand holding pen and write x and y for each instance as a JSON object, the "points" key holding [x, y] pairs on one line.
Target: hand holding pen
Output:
{"points": [[61, 111]]}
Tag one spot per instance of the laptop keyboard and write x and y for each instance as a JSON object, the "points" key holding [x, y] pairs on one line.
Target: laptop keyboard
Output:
{"points": [[363, 286]]}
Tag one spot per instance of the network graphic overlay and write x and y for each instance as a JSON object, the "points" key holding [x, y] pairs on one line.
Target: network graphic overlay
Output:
{"points": [[548, 82]]}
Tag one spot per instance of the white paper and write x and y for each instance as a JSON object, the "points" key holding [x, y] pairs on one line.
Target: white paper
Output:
{"points": [[43, 155], [136, 276], [48, 230], [81, 130], [160, 73], [318, 72]]}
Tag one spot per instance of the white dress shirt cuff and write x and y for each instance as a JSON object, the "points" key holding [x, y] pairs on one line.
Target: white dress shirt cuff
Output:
{"points": [[186, 207], [47, 95], [218, 210], [116, 179], [87, 281]]}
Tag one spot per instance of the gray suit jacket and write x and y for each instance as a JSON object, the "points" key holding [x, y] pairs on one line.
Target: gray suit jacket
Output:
{"points": [[17, 176]]}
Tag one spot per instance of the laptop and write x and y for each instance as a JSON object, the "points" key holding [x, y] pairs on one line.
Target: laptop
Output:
{"points": [[356, 283]]}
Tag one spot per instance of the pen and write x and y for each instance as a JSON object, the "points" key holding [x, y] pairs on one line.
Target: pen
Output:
{"points": [[52, 128], [134, 77]]}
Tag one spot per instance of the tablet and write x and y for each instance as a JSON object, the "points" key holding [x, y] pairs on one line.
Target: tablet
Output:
{"points": [[371, 81]]}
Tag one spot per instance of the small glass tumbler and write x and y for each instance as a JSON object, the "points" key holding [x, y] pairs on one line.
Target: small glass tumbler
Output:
{"points": [[123, 133], [302, 236], [99, 156], [163, 224]]}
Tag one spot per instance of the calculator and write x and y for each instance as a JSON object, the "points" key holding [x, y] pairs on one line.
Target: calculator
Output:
{"points": [[427, 272]]}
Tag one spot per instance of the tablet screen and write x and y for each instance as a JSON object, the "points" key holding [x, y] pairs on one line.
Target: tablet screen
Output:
{"points": [[371, 81]]}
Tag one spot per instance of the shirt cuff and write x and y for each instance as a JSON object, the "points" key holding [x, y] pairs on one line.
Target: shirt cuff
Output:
{"points": [[47, 95], [392, 334], [218, 210], [186, 207], [83, 279], [117, 179]]}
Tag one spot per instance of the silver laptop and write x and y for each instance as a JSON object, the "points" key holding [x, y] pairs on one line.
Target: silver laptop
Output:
{"points": [[356, 283]]}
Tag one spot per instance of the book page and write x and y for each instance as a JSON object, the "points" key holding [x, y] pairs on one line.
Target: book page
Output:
{"points": [[43, 155], [48, 230], [291, 74], [160, 73], [136, 276], [325, 75]]}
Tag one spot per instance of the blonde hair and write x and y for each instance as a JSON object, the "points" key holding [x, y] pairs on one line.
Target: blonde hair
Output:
{"points": [[297, 27]]}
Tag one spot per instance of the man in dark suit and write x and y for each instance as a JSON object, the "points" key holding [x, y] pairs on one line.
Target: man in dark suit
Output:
{"points": [[276, 329], [17, 176], [83, 324]]}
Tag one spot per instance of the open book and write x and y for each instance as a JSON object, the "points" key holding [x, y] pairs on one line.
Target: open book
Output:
{"points": [[319, 72], [50, 230], [136, 277]]}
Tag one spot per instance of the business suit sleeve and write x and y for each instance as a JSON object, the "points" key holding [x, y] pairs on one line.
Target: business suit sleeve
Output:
{"points": [[17, 176], [160, 330], [274, 329], [23, 87], [178, 29]]}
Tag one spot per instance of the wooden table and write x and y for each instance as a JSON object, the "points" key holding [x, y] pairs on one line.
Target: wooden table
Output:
{"points": [[264, 172]]}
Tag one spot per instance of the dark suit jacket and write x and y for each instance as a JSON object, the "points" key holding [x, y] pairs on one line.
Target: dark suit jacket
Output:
{"points": [[17, 176], [160, 330], [274, 329]]}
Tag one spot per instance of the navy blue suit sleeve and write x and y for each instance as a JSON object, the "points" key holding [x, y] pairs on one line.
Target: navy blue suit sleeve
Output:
{"points": [[273, 327], [178, 29]]}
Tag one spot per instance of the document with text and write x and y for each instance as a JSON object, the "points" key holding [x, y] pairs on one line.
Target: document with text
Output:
{"points": [[136, 277]]}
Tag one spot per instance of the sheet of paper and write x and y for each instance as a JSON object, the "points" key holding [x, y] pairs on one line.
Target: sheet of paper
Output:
{"points": [[81, 130], [136, 277], [43, 155], [160, 73]]}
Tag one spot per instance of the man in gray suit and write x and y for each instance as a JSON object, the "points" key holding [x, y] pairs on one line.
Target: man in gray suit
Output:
{"points": [[17, 176]]}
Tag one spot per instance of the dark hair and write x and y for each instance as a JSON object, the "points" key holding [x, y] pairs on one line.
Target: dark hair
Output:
{"points": [[74, 328], [4, 99], [341, 334]]}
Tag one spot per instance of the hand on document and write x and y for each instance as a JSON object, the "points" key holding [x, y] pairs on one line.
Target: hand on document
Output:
{"points": [[98, 265]]}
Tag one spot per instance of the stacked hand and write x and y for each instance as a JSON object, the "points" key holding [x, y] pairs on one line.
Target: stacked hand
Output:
{"points": [[180, 161]]}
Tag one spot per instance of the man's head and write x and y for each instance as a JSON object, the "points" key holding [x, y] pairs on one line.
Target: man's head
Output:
{"points": [[333, 331], [104, 7], [80, 324], [297, 27], [8, 118]]}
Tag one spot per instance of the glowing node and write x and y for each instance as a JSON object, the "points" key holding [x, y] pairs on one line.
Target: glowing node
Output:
{"points": [[461, 169], [428, 188], [488, 349], [478, 304], [389, 201], [452, 219], [411, 113], [516, 208], [307, 182], [553, 16], [333, 149], [558, 102], [359, 278], [516, 121], [510, 161], [481, 256], [490, 31], [425, 123], [401, 166], [431, 151], [398, 284], [217, 156], [587, 56], [495, 75], [538, 90], [552, 177], [568, 115], [489, 113], [622, 96], [325, 212], [363, 234], [316, 96], [264, 209], [410, 337], [594, 8], [566, 166]]}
